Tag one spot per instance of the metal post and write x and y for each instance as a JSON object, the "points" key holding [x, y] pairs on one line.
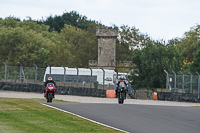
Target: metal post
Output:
{"points": [[36, 69], [183, 82], [103, 77], [90, 78], [49, 67], [5, 72], [77, 76], [174, 81], [190, 82], [64, 75], [167, 80], [116, 79], [116, 72], [198, 83], [20, 69]]}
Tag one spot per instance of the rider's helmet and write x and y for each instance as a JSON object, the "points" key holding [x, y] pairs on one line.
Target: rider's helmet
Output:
{"points": [[50, 79], [122, 77]]}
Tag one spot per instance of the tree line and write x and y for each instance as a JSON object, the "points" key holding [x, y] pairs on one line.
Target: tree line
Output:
{"points": [[70, 40]]}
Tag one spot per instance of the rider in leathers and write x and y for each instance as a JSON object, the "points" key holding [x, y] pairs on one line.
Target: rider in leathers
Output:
{"points": [[49, 80], [122, 79]]}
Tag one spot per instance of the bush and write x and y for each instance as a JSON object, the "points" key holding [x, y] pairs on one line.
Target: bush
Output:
{"points": [[96, 83]]}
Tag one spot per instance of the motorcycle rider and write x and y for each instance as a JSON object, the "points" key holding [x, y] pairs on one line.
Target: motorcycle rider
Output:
{"points": [[122, 80], [49, 80]]}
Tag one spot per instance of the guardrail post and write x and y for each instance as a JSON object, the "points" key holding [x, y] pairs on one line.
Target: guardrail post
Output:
{"points": [[167, 80], [174, 81], [183, 81], [190, 82]]}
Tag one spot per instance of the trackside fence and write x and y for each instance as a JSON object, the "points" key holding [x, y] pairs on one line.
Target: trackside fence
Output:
{"points": [[182, 86], [19, 78]]}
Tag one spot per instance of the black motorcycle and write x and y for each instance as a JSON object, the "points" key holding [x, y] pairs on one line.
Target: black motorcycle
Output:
{"points": [[121, 94]]}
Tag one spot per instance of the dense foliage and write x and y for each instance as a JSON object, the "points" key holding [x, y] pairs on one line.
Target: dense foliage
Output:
{"points": [[32, 43], [72, 18], [70, 40]]}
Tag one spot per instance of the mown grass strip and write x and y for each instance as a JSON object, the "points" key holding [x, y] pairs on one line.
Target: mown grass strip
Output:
{"points": [[28, 116]]}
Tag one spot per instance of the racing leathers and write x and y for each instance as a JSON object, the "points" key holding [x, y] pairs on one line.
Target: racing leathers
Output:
{"points": [[121, 82]]}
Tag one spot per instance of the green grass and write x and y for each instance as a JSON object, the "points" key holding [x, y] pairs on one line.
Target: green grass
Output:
{"points": [[29, 116]]}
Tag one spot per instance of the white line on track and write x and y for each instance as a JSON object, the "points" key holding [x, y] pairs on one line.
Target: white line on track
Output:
{"points": [[85, 118]]}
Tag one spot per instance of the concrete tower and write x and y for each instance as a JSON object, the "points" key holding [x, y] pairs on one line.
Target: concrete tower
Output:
{"points": [[107, 47]]}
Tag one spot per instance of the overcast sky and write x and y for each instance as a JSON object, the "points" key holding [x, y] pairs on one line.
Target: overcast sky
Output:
{"points": [[161, 19]]}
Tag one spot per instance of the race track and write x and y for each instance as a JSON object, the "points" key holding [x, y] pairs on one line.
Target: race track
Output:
{"points": [[138, 118]]}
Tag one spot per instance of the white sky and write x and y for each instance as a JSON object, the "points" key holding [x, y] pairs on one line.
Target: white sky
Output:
{"points": [[161, 19]]}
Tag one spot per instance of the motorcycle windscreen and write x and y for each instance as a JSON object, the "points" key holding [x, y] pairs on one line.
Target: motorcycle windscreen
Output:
{"points": [[122, 84]]}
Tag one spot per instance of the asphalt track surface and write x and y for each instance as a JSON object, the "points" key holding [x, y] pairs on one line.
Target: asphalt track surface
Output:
{"points": [[138, 118]]}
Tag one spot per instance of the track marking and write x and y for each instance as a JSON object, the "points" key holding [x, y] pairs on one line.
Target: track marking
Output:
{"points": [[84, 118]]}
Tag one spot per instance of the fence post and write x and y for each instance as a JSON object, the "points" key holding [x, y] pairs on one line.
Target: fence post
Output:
{"points": [[183, 81], [116, 70], [50, 68], [64, 75], [174, 80], [198, 83], [5, 72], [190, 82], [90, 77], [36, 69], [167, 80], [20, 73], [103, 77], [77, 76]]}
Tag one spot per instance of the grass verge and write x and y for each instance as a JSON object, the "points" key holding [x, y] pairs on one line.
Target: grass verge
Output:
{"points": [[29, 116]]}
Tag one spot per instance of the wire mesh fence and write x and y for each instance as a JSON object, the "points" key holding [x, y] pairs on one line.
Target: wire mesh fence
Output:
{"points": [[35, 75], [183, 83]]}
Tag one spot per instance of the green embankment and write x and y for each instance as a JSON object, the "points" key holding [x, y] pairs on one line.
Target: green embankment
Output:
{"points": [[29, 116]]}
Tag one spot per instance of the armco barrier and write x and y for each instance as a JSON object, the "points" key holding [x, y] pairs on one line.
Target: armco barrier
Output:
{"points": [[182, 97], [10, 86]]}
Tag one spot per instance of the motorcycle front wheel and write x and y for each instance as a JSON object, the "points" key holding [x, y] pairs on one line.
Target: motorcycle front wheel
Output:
{"points": [[121, 98], [50, 97]]}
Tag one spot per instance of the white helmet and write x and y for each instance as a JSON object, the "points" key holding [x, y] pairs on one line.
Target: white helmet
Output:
{"points": [[49, 78]]}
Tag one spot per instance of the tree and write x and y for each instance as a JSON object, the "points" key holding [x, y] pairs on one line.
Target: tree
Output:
{"points": [[72, 18], [83, 45], [60, 54], [123, 53], [25, 42], [195, 66], [133, 37], [16, 44], [188, 43], [151, 62]]}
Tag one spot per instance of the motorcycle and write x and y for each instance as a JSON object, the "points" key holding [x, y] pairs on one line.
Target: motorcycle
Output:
{"points": [[121, 93], [50, 92]]}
